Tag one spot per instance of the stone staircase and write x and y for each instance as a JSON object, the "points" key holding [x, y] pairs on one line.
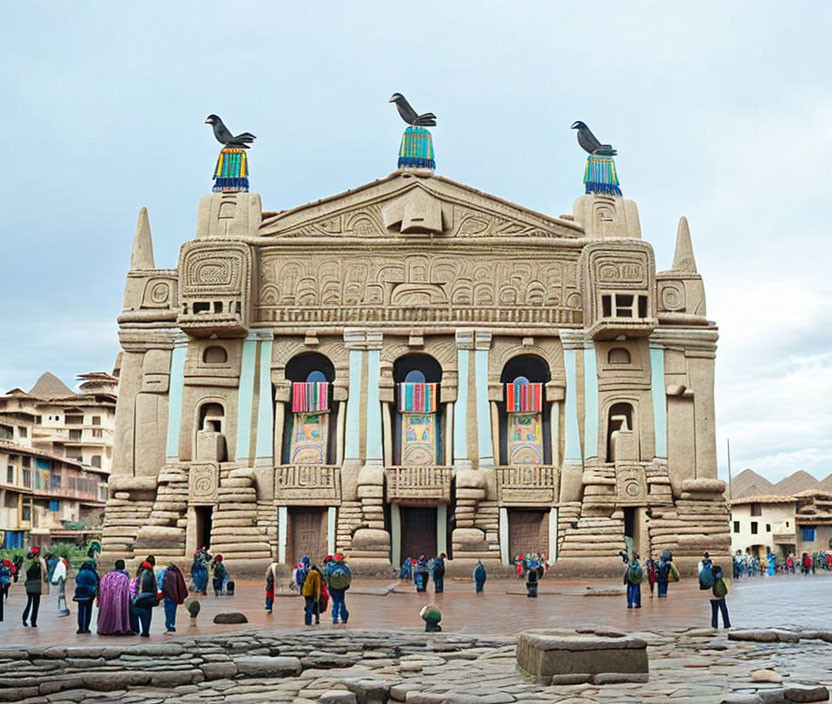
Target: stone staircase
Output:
{"points": [[234, 526], [595, 536], [163, 534]]}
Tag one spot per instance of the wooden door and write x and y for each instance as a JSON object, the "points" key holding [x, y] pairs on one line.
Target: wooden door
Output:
{"points": [[528, 532], [307, 535], [418, 531]]}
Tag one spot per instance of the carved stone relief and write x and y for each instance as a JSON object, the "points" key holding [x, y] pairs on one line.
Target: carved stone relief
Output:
{"points": [[383, 286], [203, 483]]}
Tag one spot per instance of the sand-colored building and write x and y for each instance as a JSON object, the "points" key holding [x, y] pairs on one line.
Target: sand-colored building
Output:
{"points": [[414, 366], [783, 525], [55, 458]]}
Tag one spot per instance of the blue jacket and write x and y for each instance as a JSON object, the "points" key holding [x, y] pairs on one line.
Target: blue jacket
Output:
{"points": [[86, 585]]}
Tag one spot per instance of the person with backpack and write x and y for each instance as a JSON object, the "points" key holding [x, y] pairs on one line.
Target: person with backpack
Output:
{"points": [[706, 572], [199, 573], [146, 597], [719, 591], [340, 578], [480, 576], [439, 573], [312, 591], [663, 575], [86, 589], [175, 592], [420, 574], [35, 575], [220, 576], [301, 572], [5, 583], [633, 577]]}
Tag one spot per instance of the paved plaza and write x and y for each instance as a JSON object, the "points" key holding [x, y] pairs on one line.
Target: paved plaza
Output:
{"points": [[383, 655]]}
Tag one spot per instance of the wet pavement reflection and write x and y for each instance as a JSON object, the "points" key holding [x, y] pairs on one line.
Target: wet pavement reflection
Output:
{"points": [[784, 601]]}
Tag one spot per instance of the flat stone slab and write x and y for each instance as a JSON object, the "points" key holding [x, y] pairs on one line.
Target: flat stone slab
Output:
{"points": [[548, 655]]}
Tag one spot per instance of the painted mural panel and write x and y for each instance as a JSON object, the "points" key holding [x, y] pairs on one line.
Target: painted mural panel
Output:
{"points": [[310, 432], [418, 439], [525, 438]]}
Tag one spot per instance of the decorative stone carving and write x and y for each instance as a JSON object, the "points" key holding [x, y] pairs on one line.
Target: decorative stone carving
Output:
{"points": [[631, 485], [358, 286], [203, 483], [419, 483], [526, 485], [307, 485]]}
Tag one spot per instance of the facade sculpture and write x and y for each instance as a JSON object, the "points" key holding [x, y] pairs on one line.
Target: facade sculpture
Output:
{"points": [[414, 366]]}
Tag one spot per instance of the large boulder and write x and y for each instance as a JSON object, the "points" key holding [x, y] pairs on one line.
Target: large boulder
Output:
{"points": [[159, 537], [469, 539], [371, 539], [230, 617]]}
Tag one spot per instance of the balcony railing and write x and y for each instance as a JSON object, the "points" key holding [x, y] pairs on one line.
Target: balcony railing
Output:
{"points": [[419, 483], [313, 484], [526, 484]]}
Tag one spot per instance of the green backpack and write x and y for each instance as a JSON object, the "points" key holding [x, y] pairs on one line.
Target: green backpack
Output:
{"points": [[635, 574], [340, 576]]}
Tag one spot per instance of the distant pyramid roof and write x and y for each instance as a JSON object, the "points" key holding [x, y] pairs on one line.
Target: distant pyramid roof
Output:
{"points": [[50, 386], [795, 483], [749, 483], [826, 484]]}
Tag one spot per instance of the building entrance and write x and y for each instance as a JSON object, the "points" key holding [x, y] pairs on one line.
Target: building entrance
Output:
{"points": [[418, 531], [203, 526], [528, 532], [307, 535]]}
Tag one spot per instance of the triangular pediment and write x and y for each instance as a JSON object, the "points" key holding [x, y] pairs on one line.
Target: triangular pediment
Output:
{"points": [[409, 205]]}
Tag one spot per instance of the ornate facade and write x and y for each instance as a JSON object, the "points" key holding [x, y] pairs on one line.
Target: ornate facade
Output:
{"points": [[414, 366]]}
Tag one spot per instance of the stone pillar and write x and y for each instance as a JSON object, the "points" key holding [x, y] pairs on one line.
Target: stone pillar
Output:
{"points": [[505, 558], [255, 381], [464, 345], [473, 443], [177, 384], [658, 388], [590, 403], [282, 533], [264, 447], [572, 468]]}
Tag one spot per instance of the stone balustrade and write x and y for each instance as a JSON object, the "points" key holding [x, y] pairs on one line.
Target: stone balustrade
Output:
{"points": [[525, 484], [415, 483]]}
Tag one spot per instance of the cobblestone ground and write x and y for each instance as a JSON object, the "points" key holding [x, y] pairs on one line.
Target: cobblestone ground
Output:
{"points": [[471, 662]]}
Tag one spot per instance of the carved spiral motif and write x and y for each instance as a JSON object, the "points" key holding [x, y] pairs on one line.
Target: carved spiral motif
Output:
{"points": [[672, 298], [204, 485], [160, 292]]}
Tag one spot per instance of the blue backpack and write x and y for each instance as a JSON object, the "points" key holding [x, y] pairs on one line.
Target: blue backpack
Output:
{"points": [[300, 576], [706, 577], [340, 576]]}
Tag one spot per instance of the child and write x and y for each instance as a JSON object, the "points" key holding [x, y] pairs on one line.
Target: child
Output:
{"points": [[719, 591]]}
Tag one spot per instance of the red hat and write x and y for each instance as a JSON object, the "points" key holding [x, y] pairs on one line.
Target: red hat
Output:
{"points": [[147, 565], [339, 557], [218, 558]]}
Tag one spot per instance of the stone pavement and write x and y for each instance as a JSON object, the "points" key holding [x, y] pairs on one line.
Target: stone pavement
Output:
{"points": [[472, 662]]}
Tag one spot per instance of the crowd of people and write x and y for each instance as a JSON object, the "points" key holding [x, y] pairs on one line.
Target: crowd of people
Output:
{"points": [[317, 585], [749, 565], [422, 569]]}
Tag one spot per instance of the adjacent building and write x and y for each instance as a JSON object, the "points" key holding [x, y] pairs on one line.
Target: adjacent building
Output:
{"points": [[782, 525], [55, 458], [414, 366]]}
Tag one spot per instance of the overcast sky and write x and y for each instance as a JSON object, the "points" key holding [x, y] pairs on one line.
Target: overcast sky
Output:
{"points": [[721, 112]]}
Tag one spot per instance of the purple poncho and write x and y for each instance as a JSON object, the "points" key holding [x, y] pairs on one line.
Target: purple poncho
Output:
{"points": [[114, 604]]}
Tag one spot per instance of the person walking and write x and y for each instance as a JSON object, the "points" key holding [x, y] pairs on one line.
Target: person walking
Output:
{"points": [[439, 573], [5, 583], [146, 597], [58, 579], [301, 571], [86, 589], [663, 576], [114, 602], [220, 576], [633, 577], [479, 577], [312, 591], [340, 579], [199, 572], [174, 592], [718, 605], [35, 575], [652, 574], [420, 574], [271, 584]]}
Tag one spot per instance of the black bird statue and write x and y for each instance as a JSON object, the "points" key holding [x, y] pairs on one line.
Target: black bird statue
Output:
{"points": [[409, 115], [589, 142], [224, 136]]}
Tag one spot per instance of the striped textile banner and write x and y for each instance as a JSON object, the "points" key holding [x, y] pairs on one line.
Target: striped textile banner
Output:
{"points": [[600, 175], [310, 396], [524, 398], [417, 398]]}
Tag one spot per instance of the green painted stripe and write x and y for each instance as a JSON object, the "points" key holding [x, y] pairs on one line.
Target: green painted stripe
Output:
{"points": [[177, 384]]}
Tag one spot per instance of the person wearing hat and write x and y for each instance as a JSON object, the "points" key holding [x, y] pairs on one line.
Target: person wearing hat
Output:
{"points": [[420, 574], [339, 580], [199, 572], [220, 576]]}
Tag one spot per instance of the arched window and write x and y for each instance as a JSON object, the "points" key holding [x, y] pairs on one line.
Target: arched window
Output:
{"points": [[417, 411], [215, 355], [619, 417], [309, 420], [211, 417], [618, 355], [523, 415]]}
